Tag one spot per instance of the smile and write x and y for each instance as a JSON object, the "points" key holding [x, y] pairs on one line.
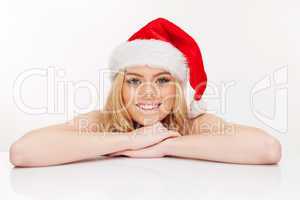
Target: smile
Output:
{"points": [[148, 107]]}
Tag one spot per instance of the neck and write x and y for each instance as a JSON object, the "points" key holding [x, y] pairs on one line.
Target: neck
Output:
{"points": [[136, 125]]}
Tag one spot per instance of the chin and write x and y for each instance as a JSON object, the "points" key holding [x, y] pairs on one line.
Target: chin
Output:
{"points": [[147, 118], [147, 121]]}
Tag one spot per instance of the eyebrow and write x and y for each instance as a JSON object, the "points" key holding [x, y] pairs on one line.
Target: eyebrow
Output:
{"points": [[136, 74]]}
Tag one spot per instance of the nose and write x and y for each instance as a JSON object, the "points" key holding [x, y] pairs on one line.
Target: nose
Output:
{"points": [[148, 90]]}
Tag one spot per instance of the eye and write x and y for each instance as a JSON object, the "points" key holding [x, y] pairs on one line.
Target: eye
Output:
{"points": [[133, 81], [163, 80]]}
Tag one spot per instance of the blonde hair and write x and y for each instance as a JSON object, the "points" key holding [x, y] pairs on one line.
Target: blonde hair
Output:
{"points": [[117, 118]]}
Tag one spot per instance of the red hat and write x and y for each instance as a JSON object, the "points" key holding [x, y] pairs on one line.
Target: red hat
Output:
{"points": [[163, 44]]}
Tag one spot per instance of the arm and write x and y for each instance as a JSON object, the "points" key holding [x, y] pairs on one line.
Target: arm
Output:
{"points": [[216, 140], [70, 141], [226, 149], [58, 144]]}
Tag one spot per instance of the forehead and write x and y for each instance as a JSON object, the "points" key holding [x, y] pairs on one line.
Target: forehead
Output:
{"points": [[146, 70]]}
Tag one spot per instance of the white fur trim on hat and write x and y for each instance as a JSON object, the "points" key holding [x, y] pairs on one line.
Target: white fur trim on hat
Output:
{"points": [[151, 52], [195, 108]]}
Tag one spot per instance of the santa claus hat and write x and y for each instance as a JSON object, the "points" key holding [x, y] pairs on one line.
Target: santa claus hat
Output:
{"points": [[163, 44]]}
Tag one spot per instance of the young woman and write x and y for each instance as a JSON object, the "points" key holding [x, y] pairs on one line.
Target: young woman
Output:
{"points": [[147, 114]]}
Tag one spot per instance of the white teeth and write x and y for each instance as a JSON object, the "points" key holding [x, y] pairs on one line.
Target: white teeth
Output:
{"points": [[148, 106]]}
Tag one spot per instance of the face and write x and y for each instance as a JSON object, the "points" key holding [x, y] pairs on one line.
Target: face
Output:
{"points": [[148, 93]]}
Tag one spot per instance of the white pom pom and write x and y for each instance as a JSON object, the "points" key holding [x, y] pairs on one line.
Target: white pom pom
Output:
{"points": [[197, 108]]}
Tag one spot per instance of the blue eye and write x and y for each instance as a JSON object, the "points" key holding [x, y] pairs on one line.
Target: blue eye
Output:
{"points": [[133, 81], [163, 80]]}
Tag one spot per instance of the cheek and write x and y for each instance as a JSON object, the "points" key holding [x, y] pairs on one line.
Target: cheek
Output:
{"points": [[125, 95], [168, 96], [128, 95]]}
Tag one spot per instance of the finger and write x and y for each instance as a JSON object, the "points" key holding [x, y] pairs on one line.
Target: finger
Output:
{"points": [[175, 133], [171, 134], [144, 153], [116, 153], [128, 153], [137, 154], [112, 154]]}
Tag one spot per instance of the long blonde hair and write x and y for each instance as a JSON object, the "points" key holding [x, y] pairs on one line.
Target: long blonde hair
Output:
{"points": [[117, 118]]}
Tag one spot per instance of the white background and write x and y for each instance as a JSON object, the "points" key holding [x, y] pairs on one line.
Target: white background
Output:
{"points": [[241, 41]]}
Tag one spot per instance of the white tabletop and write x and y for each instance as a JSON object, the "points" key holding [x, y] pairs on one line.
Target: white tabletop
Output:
{"points": [[159, 178]]}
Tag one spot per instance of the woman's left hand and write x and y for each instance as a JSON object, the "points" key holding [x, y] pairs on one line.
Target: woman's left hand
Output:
{"points": [[154, 151]]}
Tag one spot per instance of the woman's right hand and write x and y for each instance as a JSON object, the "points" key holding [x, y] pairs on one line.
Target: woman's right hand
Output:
{"points": [[149, 135]]}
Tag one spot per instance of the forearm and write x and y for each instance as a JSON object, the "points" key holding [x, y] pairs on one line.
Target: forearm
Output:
{"points": [[247, 147], [40, 148]]}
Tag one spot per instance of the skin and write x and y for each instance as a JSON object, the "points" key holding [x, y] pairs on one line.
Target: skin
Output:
{"points": [[226, 142], [211, 137], [144, 84]]}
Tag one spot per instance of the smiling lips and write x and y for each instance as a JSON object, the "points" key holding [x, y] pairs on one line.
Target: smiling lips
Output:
{"points": [[148, 106]]}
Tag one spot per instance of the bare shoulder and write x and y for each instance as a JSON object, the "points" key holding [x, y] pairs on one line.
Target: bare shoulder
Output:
{"points": [[207, 123], [89, 121]]}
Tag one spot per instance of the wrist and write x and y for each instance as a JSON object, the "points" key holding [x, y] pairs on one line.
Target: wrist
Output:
{"points": [[123, 141], [167, 146]]}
